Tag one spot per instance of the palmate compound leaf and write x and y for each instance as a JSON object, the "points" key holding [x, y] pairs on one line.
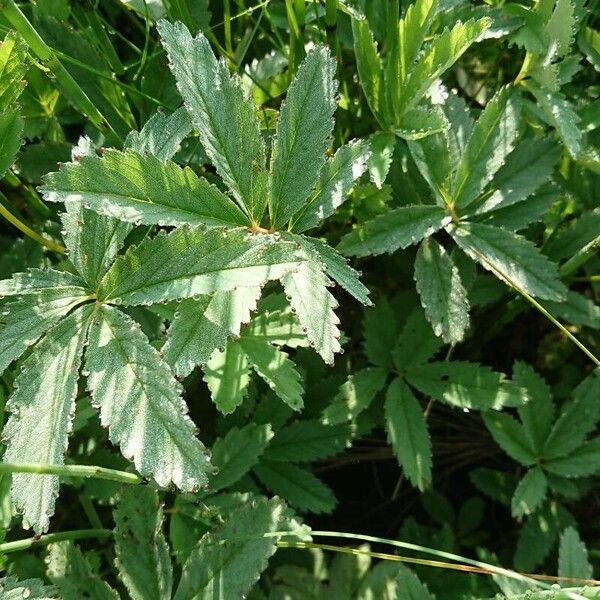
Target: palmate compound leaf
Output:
{"points": [[303, 134], [11, 132], [190, 261], [443, 296], [573, 559], [227, 375], [466, 385], [576, 420], [512, 258], [140, 403], [161, 135], [407, 432], [142, 189], [369, 66], [336, 267], [33, 589], [439, 56], [23, 321], [201, 326], [526, 168], [308, 440], [530, 493], [490, 142], [223, 117], [13, 66], [70, 570], [275, 368], [510, 435], [35, 281], [147, 574], [229, 561], [237, 452], [42, 408], [299, 486], [306, 290], [355, 395], [560, 114], [398, 228], [336, 179], [409, 587], [92, 241]]}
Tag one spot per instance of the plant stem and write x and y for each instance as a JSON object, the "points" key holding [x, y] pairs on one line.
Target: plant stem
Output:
{"points": [[85, 471], [30, 232], [50, 538], [580, 257]]}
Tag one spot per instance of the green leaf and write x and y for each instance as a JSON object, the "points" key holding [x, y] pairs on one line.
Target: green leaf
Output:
{"points": [[442, 293], [337, 268], [147, 575], [573, 560], [24, 321], [306, 289], [380, 330], [69, 569], [379, 583], [141, 189], [409, 587], [35, 281], [237, 452], [510, 436], [33, 589], [275, 368], [297, 485], [417, 342], [420, 122], [398, 228], [368, 64], [439, 56], [161, 135], [435, 161], [576, 420], [14, 63], [228, 562], [491, 141], [465, 385], [537, 415], [512, 258], [11, 135], [92, 241], [576, 310], [355, 395], [560, 27], [303, 134], [530, 493], [559, 113], [336, 179], [382, 144], [538, 536], [42, 408], [526, 168], [584, 460], [222, 115], [189, 262], [412, 30], [407, 432], [305, 441], [140, 403], [277, 324], [201, 326], [227, 375]]}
